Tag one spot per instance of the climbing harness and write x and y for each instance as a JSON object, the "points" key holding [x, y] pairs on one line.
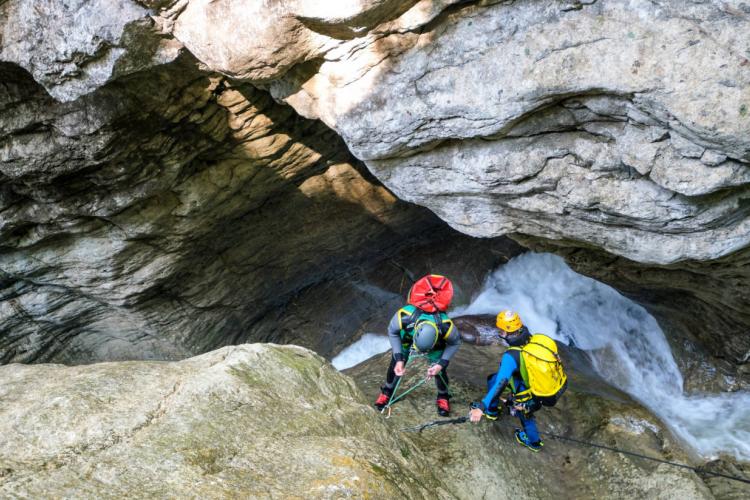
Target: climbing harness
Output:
{"points": [[698, 470]]}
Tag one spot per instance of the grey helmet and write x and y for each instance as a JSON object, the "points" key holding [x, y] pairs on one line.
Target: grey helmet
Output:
{"points": [[425, 336]]}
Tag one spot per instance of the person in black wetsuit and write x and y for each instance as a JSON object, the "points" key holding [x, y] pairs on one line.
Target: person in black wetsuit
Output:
{"points": [[412, 330]]}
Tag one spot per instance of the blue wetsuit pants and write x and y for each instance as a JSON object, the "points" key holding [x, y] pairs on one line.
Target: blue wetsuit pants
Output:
{"points": [[527, 421]]}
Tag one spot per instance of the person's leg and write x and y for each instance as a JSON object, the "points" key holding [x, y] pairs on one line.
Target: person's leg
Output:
{"points": [[529, 427], [391, 380], [442, 381]]}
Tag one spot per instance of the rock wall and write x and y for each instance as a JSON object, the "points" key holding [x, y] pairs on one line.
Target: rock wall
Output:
{"points": [[602, 124], [168, 212], [620, 126]]}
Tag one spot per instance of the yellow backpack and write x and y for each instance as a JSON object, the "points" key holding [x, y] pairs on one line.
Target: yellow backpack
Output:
{"points": [[541, 370]]}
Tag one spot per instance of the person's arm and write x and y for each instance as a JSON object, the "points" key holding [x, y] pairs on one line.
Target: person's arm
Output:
{"points": [[394, 335], [505, 371], [453, 342]]}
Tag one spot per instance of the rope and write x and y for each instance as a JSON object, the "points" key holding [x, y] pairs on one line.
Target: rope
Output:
{"points": [[698, 470], [392, 400], [420, 428], [402, 395], [447, 385]]}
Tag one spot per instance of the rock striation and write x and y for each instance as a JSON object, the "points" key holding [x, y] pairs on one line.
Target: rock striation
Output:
{"points": [[166, 214], [620, 126], [602, 125]]}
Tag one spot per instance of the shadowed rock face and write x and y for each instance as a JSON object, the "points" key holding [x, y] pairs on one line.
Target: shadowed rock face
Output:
{"points": [[217, 426], [168, 213]]}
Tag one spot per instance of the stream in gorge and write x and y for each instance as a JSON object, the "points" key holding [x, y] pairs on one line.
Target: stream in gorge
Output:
{"points": [[624, 342]]}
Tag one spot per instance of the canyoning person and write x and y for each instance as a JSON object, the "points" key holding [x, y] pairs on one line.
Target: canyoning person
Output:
{"points": [[423, 328], [533, 371]]}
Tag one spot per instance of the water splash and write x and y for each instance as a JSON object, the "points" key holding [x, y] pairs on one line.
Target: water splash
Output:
{"points": [[626, 345], [367, 346]]}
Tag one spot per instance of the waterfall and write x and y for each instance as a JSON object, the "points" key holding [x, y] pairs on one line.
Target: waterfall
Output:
{"points": [[625, 343], [367, 346]]}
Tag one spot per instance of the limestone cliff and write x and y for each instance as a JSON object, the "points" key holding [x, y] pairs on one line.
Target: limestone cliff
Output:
{"points": [[619, 126], [169, 213], [131, 132]]}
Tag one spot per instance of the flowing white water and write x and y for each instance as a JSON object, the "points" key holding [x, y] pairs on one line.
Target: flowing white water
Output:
{"points": [[367, 346], [625, 343]]}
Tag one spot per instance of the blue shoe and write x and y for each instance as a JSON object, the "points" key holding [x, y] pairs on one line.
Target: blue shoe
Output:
{"points": [[523, 439]]}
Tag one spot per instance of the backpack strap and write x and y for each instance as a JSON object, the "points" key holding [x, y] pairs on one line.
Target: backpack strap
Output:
{"points": [[518, 358], [446, 328], [546, 348], [408, 317]]}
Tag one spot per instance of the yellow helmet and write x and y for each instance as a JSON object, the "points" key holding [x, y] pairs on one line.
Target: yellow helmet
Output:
{"points": [[508, 321]]}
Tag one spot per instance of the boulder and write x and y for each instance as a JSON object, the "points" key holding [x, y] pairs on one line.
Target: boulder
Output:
{"points": [[217, 426]]}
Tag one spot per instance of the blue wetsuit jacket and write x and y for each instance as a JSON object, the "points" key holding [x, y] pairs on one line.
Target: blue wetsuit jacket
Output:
{"points": [[508, 369]]}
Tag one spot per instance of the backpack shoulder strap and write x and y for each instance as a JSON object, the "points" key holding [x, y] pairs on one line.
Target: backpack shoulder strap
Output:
{"points": [[407, 316], [444, 324], [446, 328], [554, 354]]}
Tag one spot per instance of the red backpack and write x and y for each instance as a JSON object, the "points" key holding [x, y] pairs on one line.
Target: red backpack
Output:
{"points": [[431, 293]]}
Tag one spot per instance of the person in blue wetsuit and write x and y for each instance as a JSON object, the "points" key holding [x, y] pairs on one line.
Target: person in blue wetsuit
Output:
{"points": [[508, 374]]}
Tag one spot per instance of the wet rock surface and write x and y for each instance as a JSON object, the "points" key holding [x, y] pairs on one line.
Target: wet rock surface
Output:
{"points": [[218, 426], [485, 459]]}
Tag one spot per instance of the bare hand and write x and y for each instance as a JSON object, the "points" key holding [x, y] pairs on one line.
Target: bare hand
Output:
{"points": [[434, 370], [475, 415], [399, 369]]}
